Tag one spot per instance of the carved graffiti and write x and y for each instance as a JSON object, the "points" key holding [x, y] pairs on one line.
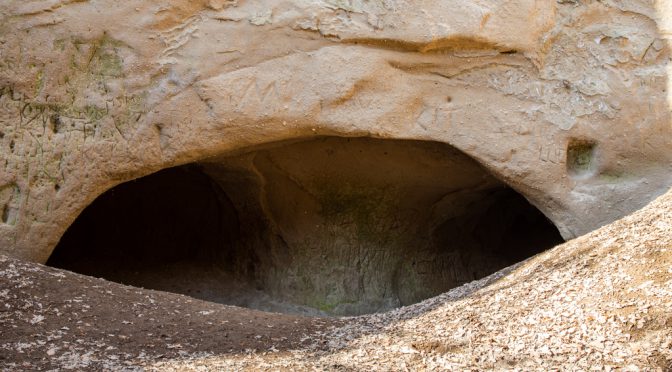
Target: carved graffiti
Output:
{"points": [[431, 117], [10, 196], [253, 93]]}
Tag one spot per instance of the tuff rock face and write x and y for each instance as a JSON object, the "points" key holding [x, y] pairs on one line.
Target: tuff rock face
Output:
{"points": [[335, 225], [566, 102]]}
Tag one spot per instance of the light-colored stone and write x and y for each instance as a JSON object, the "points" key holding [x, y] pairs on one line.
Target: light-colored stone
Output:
{"points": [[95, 93]]}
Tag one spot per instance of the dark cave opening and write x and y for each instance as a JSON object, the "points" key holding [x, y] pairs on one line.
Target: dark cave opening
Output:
{"points": [[327, 226]]}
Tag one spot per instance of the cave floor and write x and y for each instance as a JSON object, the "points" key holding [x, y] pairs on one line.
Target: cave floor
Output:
{"points": [[54, 318], [198, 279], [600, 302]]}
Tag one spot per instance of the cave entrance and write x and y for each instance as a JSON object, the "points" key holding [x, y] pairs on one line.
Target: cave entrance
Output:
{"points": [[327, 226]]}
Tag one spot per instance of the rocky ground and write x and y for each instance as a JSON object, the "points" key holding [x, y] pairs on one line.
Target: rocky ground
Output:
{"points": [[599, 302]]}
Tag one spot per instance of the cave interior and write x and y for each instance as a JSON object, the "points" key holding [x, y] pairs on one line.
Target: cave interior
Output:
{"points": [[321, 226]]}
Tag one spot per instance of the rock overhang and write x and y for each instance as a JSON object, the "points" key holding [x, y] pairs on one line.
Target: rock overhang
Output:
{"points": [[120, 91], [320, 226]]}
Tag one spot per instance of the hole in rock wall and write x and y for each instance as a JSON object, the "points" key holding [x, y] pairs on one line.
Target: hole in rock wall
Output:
{"points": [[327, 226], [581, 157]]}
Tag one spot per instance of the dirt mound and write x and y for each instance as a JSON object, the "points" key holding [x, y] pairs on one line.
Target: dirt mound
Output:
{"points": [[52, 318], [603, 300]]}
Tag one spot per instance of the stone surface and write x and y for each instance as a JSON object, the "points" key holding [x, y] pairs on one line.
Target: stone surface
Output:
{"points": [[567, 102], [327, 226]]}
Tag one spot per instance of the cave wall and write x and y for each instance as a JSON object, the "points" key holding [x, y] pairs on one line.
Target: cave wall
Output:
{"points": [[567, 102], [360, 225], [325, 226]]}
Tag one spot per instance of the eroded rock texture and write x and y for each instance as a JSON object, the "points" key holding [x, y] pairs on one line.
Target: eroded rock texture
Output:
{"points": [[566, 102], [322, 226]]}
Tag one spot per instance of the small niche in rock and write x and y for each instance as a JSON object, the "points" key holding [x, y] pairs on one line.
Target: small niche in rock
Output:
{"points": [[327, 226], [580, 157]]}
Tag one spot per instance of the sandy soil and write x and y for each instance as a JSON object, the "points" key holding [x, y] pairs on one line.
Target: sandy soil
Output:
{"points": [[51, 318], [599, 302]]}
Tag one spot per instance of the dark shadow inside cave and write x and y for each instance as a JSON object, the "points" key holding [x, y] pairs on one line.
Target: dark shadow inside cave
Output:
{"points": [[327, 226]]}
